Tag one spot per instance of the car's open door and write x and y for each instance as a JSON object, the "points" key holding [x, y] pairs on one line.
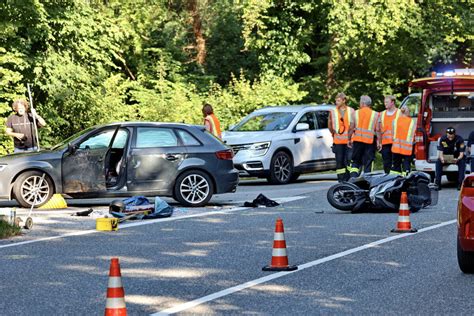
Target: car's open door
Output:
{"points": [[83, 165]]}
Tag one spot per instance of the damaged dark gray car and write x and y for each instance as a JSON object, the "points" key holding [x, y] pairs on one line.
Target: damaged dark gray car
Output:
{"points": [[123, 159]]}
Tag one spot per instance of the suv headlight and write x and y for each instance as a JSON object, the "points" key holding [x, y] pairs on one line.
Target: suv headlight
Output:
{"points": [[2, 167], [260, 149]]}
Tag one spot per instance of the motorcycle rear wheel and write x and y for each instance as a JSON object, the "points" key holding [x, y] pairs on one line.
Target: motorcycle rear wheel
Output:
{"points": [[343, 196]]}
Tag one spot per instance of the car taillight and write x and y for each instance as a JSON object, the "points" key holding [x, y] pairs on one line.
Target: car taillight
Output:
{"points": [[227, 154], [420, 151]]}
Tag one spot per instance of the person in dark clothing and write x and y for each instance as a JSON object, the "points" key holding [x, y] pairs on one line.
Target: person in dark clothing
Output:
{"points": [[451, 144], [20, 126], [470, 142]]}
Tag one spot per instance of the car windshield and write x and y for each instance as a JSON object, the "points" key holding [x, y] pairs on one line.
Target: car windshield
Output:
{"points": [[65, 142], [275, 121]]}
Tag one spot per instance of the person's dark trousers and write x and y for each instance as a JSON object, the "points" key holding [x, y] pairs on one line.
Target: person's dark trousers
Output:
{"points": [[369, 157], [398, 160], [461, 167], [472, 164], [341, 151], [462, 170], [362, 158], [387, 157]]}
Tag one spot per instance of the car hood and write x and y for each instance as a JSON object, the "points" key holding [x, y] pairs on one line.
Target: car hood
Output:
{"points": [[30, 156], [237, 138]]}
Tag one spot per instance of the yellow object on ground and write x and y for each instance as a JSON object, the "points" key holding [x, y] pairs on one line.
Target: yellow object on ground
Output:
{"points": [[106, 224], [55, 202]]}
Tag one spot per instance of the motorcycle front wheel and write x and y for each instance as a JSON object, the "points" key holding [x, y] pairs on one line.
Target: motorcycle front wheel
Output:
{"points": [[343, 196]]}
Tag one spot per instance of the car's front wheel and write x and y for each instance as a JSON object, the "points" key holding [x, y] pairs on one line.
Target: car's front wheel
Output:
{"points": [[281, 168], [32, 188], [465, 259], [193, 188]]}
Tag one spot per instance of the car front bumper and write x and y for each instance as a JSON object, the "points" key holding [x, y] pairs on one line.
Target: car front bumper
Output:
{"points": [[250, 165]]}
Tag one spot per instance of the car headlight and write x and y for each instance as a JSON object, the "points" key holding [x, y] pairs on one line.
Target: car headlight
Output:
{"points": [[260, 149], [2, 167]]}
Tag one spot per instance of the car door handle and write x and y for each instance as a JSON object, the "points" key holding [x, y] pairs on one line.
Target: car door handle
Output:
{"points": [[171, 157], [319, 137]]}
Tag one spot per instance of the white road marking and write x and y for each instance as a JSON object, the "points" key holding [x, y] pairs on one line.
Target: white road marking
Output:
{"points": [[147, 222], [243, 286]]}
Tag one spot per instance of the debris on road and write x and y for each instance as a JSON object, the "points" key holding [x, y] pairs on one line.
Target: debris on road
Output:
{"points": [[261, 201]]}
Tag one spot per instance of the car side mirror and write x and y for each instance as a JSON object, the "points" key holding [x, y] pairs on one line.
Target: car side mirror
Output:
{"points": [[301, 127], [71, 148]]}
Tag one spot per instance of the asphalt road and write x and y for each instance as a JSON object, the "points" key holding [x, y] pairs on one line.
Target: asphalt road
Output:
{"points": [[209, 260]]}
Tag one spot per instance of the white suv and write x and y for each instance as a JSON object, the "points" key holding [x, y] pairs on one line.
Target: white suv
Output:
{"points": [[282, 142]]}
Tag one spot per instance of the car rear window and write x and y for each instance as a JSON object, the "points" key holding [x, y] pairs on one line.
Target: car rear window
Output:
{"points": [[155, 137], [187, 138]]}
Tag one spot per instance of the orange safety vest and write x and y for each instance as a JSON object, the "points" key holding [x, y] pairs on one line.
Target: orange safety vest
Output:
{"points": [[215, 125], [386, 124], [365, 122], [341, 125], [403, 135]]}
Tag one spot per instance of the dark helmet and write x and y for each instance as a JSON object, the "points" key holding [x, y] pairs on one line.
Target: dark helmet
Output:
{"points": [[117, 206]]}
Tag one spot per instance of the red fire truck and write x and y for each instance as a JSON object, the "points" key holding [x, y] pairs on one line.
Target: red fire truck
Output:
{"points": [[447, 99]]}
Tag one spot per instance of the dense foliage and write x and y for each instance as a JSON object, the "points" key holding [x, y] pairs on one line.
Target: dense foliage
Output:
{"points": [[93, 62]]}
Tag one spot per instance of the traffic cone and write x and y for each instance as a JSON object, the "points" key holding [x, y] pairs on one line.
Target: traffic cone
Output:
{"points": [[55, 202], [115, 304], [279, 257], [404, 225]]}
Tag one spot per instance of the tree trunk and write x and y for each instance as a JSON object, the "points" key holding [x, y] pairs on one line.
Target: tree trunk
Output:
{"points": [[330, 80], [197, 30]]}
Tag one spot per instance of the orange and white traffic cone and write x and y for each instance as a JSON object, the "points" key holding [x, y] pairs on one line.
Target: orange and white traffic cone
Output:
{"points": [[115, 305], [279, 257], [403, 224]]}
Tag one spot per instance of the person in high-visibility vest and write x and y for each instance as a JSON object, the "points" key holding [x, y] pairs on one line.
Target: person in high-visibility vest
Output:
{"points": [[339, 122], [384, 131], [211, 122], [402, 147], [361, 137]]}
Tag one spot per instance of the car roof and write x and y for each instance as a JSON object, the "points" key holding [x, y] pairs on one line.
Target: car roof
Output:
{"points": [[143, 123], [294, 108]]}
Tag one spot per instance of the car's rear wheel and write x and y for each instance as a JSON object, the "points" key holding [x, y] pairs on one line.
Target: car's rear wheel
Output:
{"points": [[465, 259], [31, 189], [193, 188], [281, 168]]}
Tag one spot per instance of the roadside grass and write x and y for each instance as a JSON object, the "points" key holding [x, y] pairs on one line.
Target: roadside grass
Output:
{"points": [[7, 230]]}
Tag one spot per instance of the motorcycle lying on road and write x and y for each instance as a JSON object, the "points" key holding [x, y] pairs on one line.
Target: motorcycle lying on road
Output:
{"points": [[378, 191]]}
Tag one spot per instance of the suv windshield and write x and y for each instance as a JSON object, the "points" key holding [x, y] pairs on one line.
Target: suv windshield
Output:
{"points": [[276, 121]]}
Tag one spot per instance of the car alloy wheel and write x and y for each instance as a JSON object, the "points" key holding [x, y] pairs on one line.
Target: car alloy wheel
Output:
{"points": [[193, 188], [32, 188], [281, 168]]}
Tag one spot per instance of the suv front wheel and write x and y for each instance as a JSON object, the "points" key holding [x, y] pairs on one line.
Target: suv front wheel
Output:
{"points": [[281, 168]]}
